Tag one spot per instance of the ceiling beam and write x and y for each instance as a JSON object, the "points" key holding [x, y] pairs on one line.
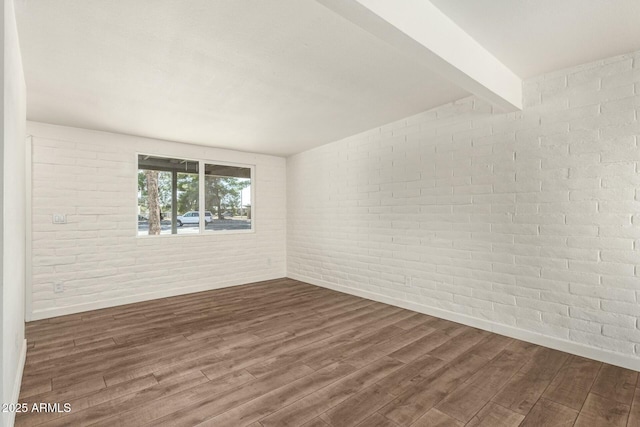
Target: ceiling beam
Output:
{"points": [[421, 30]]}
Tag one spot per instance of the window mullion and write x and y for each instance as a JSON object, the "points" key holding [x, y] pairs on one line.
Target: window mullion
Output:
{"points": [[201, 207], [174, 202]]}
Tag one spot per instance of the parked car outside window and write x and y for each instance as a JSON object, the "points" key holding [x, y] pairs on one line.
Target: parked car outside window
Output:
{"points": [[193, 217]]}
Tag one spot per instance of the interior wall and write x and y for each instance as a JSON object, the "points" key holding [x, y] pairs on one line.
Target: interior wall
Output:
{"points": [[2, 62], [92, 178], [13, 215], [524, 223]]}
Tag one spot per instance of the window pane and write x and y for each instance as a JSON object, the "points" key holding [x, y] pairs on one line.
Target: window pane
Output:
{"points": [[188, 197], [227, 197], [166, 188]]}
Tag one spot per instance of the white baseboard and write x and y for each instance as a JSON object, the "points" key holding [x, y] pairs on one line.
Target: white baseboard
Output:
{"points": [[10, 417], [625, 361], [79, 308]]}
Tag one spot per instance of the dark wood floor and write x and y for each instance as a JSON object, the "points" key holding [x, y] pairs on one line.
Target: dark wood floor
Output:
{"points": [[285, 353]]}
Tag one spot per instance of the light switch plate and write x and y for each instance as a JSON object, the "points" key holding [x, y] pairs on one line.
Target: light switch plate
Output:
{"points": [[59, 218]]}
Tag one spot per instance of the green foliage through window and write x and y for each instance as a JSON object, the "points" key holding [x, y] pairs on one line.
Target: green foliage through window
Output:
{"points": [[227, 196]]}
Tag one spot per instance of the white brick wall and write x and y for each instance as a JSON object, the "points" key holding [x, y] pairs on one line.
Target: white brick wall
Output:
{"points": [[92, 177], [528, 220]]}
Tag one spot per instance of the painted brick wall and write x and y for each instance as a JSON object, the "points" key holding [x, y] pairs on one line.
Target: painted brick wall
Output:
{"points": [[92, 177], [525, 223]]}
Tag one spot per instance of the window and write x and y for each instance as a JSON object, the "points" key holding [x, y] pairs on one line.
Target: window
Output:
{"points": [[227, 195], [179, 196]]}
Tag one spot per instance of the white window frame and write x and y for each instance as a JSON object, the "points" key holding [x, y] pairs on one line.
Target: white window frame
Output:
{"points": [[201, 196]]}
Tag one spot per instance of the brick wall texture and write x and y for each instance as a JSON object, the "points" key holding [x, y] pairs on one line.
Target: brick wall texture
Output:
{"points": [[92, 178], [528, 219]]}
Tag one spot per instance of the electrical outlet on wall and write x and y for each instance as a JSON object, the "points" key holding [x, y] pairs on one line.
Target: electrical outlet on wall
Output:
{"points": [[408, 280], [58, 287], [59, 218], [269, 261]]}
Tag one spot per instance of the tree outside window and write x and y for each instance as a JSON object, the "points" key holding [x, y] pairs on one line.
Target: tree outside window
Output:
{"points": [[169, 196]]}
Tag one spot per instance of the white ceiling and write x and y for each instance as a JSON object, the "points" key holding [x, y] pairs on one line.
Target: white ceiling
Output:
{"points": [[534, 37], [275, 77]]}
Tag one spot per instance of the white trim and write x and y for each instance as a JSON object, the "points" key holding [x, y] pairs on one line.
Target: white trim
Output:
{"points": [[79, 308], [207, 233], [202, 231], [28, 273], [134, 193], [625, 361], [201, 201], [9, 417]]}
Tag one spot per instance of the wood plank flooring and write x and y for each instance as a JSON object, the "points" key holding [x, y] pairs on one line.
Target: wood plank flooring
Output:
{"points": [[286, 353]]}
